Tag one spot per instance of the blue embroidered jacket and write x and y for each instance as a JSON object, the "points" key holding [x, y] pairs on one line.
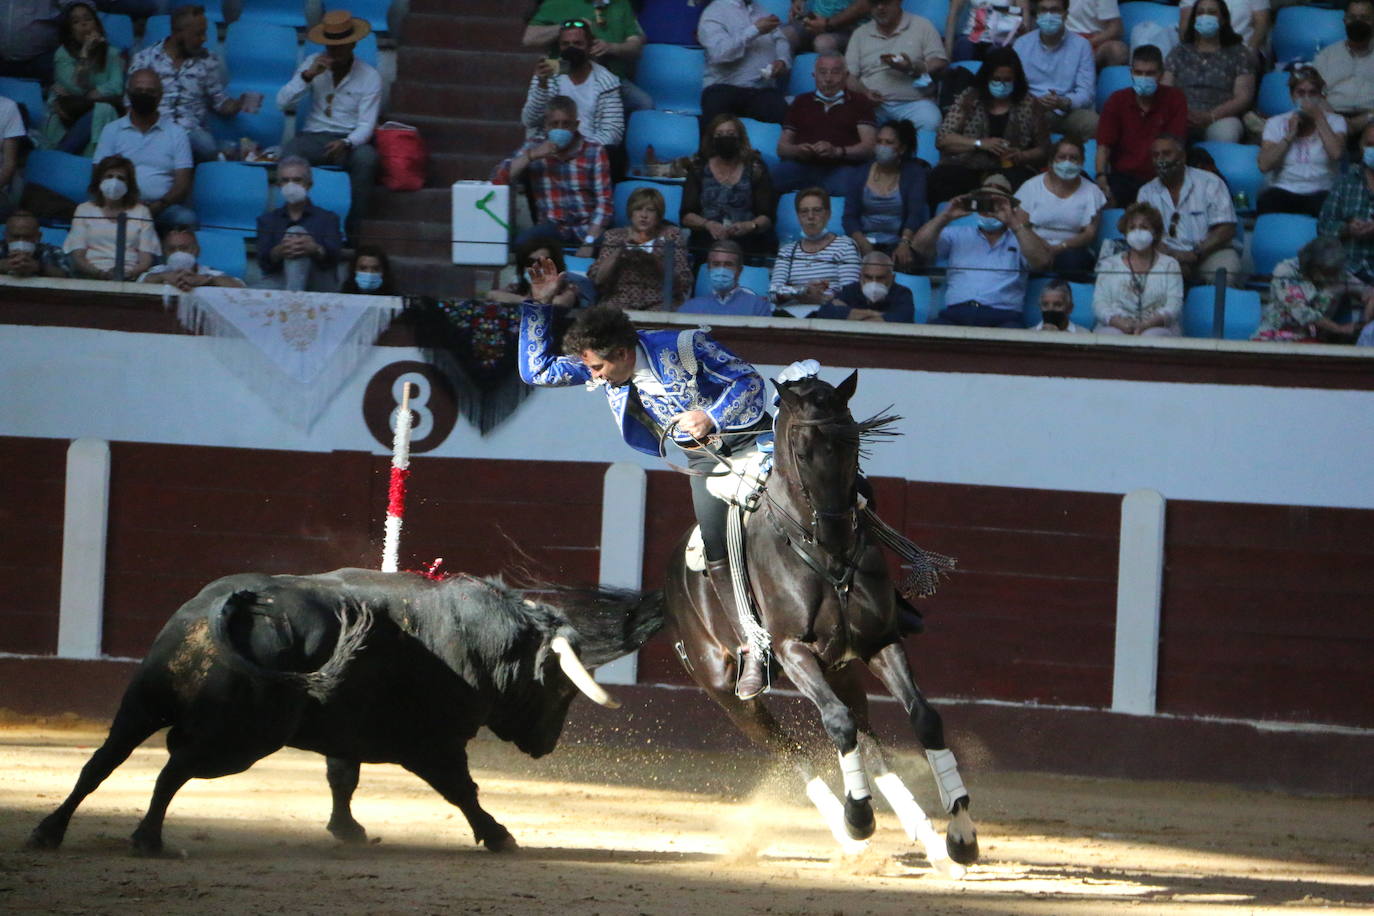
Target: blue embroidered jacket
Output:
{"points": [[727, 388]]}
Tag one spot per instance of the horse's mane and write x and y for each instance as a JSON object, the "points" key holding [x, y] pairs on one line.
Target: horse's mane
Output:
{"points": [[845, 430]]}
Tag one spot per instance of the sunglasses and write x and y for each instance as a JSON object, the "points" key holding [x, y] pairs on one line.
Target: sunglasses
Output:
{"points": [[574, 24]]}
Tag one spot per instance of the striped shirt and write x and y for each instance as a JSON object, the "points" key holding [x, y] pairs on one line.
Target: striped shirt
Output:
{"points": [[600, 114], [837, 264]]}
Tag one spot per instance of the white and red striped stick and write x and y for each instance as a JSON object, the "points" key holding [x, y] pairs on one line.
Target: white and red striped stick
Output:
{"points": [[396, 492]]}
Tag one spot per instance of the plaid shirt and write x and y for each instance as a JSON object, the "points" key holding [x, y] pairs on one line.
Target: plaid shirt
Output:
{"points": [[188, 91], [573, 194], [1349, 199]]}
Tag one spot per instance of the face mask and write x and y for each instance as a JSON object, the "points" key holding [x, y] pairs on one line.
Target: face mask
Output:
{"points": [[1207, 25], [22, 247], [727, 147], [561, 137], [293, 192], [1000, 90], [1369, 157], [885, 153], [1067, 170], [1144, 85], [575, 57], [1167, 167], [722, 279], [367, 281], [1056, 319], [1140, 239], [1050, 23], [181, 260], [816, 236], [144, 103], [1358, 31], [830, 99], [874, 291], [989, 223], [113, 188]]}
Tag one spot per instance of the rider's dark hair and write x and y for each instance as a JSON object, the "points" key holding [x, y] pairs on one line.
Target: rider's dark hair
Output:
{"points": [[602, 329]]}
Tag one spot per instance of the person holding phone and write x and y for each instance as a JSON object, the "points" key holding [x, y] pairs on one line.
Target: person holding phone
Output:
{"points": [[574, 74]]}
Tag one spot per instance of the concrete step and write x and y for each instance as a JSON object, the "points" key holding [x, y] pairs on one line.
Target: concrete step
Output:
{"points": [[464, 9], [446, 168], [432, 277], [465, 33], [483, 102], [501, 136], [438, 67], [425, 205], [402, 238]]}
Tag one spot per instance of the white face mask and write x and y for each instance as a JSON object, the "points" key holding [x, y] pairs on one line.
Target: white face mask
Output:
{"points": [[874, 291], [1140, 239], [22, 247], [114, 188], [293, 192], [181, 260]]}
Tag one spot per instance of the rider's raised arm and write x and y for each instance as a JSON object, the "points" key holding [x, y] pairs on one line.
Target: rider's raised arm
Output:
{"points": [[741, 403], [539, 365]]}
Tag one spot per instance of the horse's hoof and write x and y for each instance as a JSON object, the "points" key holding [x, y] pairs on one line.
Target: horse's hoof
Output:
{"points": [[350, 834], [858, 818], [40, 839], [965, 852], [503, 843], [150, 847]]}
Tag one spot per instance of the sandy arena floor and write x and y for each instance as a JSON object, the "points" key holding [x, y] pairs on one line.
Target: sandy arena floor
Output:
{"points": [[630, 832]]}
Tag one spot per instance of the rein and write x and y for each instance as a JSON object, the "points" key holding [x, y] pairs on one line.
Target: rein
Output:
{"points": [[666, 434]]}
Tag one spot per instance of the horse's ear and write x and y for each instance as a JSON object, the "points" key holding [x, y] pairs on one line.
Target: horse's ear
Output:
{"points": [[847, 388], [790, 399]]}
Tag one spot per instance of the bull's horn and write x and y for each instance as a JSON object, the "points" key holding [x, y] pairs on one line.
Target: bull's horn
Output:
{"points": [[580, 676]]}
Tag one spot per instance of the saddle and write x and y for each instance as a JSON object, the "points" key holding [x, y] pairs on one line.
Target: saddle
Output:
{"points": [[739, 483]]}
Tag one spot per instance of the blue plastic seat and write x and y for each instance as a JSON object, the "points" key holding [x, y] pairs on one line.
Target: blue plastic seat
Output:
{"points": [[266, 125], [937, 11], [670, 22], [61, 173], [671, 136], [1242, 312], [51, 235], [224, 251], [751, 278], [672, 199], [577, 265], [1110, 80], [229, 196], [214, 9], [925, 147], [764, 137], [330, 190], [780, 8], [1278, 236], [920, 294], [274, 12], [365, 50], [119, 30], [972, 66], [260, 56], [1239, 165], [373, 12], [28, 93], [1300, 32], [1274, 97], [802, 77], [1138, 11], [789, 228], [1081, 293], [673, 76], [1106, 224]]}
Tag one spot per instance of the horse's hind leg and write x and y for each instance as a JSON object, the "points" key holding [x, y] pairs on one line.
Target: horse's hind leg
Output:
{"points": [[342, 774], [841, 725], [131, 727], [890, 665]]}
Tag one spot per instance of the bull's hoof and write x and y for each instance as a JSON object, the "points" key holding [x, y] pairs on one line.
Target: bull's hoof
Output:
{"points": [[965, 852], [503, 843], [858, 817], [350, 833]]}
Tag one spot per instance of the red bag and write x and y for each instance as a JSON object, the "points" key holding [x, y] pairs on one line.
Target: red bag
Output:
{"points": [[403, 155]]}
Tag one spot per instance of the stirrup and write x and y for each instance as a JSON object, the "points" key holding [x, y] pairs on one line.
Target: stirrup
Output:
{"points": [[765, 680]]}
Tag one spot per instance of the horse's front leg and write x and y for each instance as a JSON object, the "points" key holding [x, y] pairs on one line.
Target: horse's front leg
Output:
{"points": [[840, 723], [891, 667]]}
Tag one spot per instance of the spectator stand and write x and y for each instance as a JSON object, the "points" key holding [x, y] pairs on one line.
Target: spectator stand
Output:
{"points": [[802, 77], [937, 11], [28, 94], [223, 250], [673, 75], [229, 196], [289, 13], [1301, 32], [921, 294], [1111, 79], [1220, 312], [672, 199], [763, 137], [330, 191], [789, 229], [1273, 97], [1082, 294], [119, 31], [158, 28], [751, 278], [672, 22], [1138, 11], [376, 13], [1239, 166], [1278, 236], [925, 147], [61, 173], [671, 136]]}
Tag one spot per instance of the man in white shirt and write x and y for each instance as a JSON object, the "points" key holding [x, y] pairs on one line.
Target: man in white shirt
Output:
{"points": [[182, 267], [595, 90], [1099, 21], [1348, 67], [747, 56], [346, 94], [892, 58], [11, 129], [1199, 218]]}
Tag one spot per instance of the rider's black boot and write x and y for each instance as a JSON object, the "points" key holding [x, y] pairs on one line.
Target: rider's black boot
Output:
{"points": [[751, 677]]}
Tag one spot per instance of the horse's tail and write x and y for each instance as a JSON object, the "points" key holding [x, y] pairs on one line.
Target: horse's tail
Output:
{"points": [[926, 567]]}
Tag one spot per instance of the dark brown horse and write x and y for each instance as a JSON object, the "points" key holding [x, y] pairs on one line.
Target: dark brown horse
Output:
{"points": [[820, 582]]}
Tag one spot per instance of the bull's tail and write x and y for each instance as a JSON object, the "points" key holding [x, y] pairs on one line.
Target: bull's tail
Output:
{"points": [[231, 626]]}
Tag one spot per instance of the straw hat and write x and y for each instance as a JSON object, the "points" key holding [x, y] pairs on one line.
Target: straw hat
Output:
{"points": [[338, 27]]}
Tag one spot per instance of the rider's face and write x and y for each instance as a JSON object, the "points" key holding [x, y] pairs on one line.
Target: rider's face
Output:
{"points": [[616, 367]]}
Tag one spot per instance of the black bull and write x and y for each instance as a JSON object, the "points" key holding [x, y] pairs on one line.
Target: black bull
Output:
{"points": [[359, 666]]}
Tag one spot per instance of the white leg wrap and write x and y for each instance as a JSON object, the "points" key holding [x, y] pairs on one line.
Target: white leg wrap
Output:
{"points": [[855, 778], [917, 826], [947, 778], [832, 812]]}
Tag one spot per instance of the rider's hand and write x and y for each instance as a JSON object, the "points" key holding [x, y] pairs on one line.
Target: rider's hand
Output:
{"points": [[696, 423]]}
